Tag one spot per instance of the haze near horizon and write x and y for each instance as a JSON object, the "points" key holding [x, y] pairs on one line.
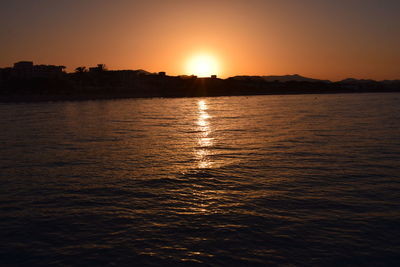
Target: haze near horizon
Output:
{"points": [[320, 39]]}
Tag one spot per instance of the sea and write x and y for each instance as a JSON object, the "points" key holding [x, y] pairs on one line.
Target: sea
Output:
{"points": [[276, 180]]}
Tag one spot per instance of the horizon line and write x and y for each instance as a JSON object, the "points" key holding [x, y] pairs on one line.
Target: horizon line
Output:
{"points": [[217, 76]]}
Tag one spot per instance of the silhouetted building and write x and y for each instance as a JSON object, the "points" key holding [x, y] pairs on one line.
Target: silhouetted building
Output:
{"points": [[99, 68], [26, 70], [214, 76], [162, 73], [6, 73], [23, 65], [2, 75], [47, 70], [23, 69]]}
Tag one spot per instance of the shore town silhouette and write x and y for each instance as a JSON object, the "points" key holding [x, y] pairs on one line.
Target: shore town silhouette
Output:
{"points": [[28, 82]]}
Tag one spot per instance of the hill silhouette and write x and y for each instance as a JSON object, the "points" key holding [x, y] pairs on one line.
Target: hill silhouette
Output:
{"points": [[283, 78]]}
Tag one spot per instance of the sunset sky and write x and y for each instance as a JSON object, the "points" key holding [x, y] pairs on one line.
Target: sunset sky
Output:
{"points": [[327, 39]]}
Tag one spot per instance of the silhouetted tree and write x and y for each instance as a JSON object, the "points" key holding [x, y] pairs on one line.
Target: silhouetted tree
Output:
{"points": [[101, 67], [80, 72], [81, 69]]}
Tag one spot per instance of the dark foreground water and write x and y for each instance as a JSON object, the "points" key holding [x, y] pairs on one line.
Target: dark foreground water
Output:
{"points": [[279, 180]]}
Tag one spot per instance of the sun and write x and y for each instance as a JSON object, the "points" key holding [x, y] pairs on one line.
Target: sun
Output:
{"points": [[202, 65]]}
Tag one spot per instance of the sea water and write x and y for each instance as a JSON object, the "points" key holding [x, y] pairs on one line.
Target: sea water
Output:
{"points": [[290, 180]]}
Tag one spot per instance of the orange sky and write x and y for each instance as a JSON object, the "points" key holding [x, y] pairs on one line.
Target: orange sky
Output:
{"points": [[329, 39]]}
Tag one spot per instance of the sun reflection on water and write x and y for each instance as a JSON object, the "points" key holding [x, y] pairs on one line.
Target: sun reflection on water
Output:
{"points": [[204, 140]]}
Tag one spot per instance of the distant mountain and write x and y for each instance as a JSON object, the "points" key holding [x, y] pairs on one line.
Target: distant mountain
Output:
{"points": [[391, 81], [352, 81], [143, 72], [356, 81], [284, 78], [137, 72], [294, 77]]}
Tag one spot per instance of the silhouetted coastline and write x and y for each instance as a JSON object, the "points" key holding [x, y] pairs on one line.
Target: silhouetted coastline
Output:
{"points": [[26, 82]]}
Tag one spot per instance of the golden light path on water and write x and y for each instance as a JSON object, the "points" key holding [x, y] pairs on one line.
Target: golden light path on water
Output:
{"points": [[203, 200], [204, 139]]}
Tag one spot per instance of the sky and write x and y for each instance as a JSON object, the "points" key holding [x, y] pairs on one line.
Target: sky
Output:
{"points": [[325, 39]]}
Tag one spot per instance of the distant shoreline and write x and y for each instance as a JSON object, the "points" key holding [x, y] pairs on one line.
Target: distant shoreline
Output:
{"points": [[26, 82]]}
